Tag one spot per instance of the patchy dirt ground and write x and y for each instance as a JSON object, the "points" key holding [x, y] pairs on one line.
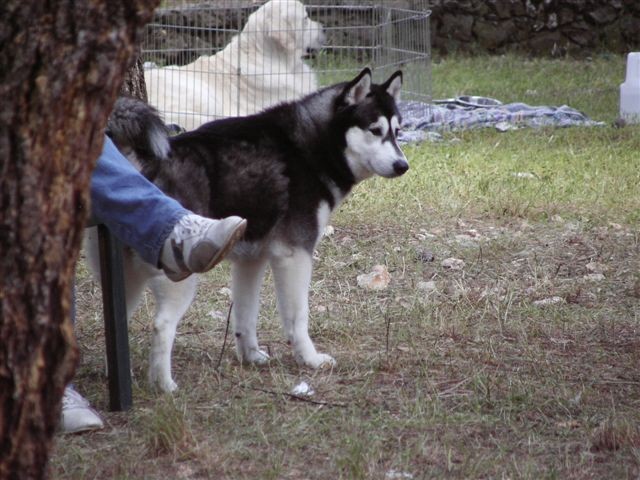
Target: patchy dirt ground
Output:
{"points": [[519, 360]]}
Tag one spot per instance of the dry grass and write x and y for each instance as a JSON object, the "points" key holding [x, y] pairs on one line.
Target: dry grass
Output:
{"points": [[470, 380]]}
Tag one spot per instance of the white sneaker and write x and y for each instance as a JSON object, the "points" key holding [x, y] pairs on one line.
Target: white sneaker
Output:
{"points": [[197, 244], [77, 414]]}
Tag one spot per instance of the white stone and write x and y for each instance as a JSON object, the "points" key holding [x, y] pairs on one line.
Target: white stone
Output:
{"points": [[524, 175], [596, 267], [428, 287], [303, 389], [549, 301], [594, 277], [217, 315], [397, 475]]}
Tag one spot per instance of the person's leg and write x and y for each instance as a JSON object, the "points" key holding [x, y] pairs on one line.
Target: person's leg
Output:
{"points": [[164, 233], [133, 208], [77, 415]]}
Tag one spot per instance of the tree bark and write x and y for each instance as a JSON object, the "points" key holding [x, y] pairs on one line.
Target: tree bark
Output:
{"points": [[134, 84], [61, 66]]}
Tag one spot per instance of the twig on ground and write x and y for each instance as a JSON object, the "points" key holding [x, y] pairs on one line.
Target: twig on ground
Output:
{"points": [[285, 394], [226, 334], [388, 320]]}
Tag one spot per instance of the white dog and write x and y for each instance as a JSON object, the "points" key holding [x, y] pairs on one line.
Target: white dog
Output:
{"points": [[260, 67]]}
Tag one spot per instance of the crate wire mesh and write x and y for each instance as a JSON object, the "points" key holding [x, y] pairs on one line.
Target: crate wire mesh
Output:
{"points": [[236, 57]]}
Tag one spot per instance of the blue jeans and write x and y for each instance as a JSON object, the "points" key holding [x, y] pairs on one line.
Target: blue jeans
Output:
{"points": [[133, 208]]}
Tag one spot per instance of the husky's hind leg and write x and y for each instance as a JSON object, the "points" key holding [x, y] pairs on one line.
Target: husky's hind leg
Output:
{"points": [[246, 280], [292, 276], [172, 301]]}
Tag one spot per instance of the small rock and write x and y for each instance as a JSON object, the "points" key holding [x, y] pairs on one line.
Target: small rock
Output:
{"points": [[328, 231], [466, 240], [217, 315], [549, 301], [425, 256], [225, 291], [397, 475], [303, 389], [453, 263], [596, 267], [378, 279], [523, 175], [347, 241], [428, 287], [594, 277]]}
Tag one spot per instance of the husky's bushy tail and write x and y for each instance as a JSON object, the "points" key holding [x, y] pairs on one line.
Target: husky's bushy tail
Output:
{"points": [[139, 133]]}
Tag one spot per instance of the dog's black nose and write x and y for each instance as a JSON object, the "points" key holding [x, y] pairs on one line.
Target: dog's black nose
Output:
{"points": [[400, 166]]}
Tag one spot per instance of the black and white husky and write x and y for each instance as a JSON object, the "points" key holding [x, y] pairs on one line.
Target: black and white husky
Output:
{"points": [[284, 170]]}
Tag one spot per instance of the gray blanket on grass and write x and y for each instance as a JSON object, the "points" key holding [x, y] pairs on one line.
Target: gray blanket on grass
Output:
{"points": [[422, 121]]}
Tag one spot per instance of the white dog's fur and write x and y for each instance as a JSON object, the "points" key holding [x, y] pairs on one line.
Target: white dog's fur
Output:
{"points": [[260, 67]]}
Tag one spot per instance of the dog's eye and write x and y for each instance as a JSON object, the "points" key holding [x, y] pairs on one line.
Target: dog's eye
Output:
{"points": [[376, 131]]}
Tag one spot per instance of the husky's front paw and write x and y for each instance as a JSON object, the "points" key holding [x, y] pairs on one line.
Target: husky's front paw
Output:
{"points": [[160, 379], [255, 357], [166, 385], [318, 360]]}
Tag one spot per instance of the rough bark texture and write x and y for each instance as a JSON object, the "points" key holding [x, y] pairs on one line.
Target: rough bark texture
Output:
{"points": [[61, 66], [134, 84]]}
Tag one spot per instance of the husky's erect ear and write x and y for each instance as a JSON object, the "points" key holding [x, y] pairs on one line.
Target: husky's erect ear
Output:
{"points": [[393, 85], [358, 88]]}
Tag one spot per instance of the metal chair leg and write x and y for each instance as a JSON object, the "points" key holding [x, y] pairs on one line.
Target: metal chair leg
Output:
{"points": [[115, 320]]}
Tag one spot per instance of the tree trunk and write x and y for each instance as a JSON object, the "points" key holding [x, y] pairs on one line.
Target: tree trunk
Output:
{"points": [[61, 66], [134, 84]]}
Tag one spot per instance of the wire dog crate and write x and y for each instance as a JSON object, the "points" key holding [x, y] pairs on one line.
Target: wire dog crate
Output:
{"points": [[236, 57]]}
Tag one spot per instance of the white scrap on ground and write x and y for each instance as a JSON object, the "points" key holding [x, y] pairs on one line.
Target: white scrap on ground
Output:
{"points": [[303, 389]]}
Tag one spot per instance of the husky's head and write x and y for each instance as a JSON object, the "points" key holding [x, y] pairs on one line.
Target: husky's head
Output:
{"points": [[373, 124]]}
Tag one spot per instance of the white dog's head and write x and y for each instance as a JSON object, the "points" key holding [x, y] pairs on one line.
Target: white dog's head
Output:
{"points": [[287, 24]]}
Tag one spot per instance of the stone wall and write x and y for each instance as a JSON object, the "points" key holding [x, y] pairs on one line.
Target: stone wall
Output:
{"points": [[539, 27]]}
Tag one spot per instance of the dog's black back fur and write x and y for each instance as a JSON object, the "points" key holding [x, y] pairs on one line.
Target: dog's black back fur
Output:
{"points": [[273, 168]]}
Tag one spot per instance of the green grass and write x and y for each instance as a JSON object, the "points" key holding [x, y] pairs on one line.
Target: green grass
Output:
{"points": [[590, 174], [472, 380], [591, 85]]}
